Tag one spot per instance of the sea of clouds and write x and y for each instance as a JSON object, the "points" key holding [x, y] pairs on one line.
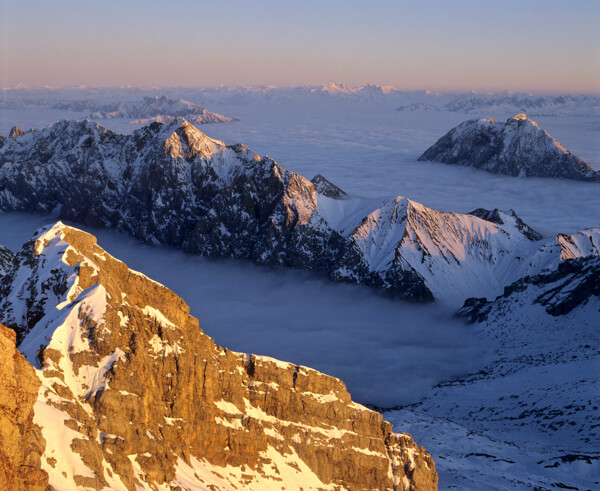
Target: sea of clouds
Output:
{"points": [[388, 352]]}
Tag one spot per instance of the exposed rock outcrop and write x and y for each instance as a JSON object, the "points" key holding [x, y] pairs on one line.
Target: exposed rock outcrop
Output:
{"points": [[147, 399], [517, 148], [21, 443], [495, 216], [580, 244], [16, 131]]}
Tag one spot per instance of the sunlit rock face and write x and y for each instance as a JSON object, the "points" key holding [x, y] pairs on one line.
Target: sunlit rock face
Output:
{"points": [[15, 132], [134, 395], [21, 442], [518, 147]]}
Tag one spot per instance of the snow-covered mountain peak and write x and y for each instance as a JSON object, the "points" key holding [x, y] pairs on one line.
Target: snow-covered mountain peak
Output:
{"points": [[47, 236], [478, 124], [518, 147], [135, 396], [524, 124], [185, 140]]}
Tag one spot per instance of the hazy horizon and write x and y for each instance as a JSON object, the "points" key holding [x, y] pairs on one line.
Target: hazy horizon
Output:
{"points": [[541, 92], [539, 46]]}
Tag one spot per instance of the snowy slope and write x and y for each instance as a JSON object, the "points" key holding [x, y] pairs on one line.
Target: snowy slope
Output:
{"points": [[529, 418], [517, 148]]}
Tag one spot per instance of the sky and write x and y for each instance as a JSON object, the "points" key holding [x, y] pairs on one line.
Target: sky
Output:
{"points": [[535, 45]]}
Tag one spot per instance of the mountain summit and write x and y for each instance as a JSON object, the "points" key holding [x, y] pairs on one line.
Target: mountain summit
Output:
{"points": [[518, 147], [135, 396]]}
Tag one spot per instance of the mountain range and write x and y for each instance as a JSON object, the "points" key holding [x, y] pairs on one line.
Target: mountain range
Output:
{"points": [[160, 109], [557, 106], [173, 185], [79, 98]]}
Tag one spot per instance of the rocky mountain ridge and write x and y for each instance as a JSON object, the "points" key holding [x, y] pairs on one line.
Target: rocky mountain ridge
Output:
{"points": [[147, 400], [173, 185], [517, 148], [418, 107]]}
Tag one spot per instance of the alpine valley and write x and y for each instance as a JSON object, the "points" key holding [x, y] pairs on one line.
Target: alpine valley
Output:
{"points": [[111, 383]]}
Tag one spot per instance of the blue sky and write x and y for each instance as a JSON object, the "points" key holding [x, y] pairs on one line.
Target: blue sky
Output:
{"points": [[533, 45]]}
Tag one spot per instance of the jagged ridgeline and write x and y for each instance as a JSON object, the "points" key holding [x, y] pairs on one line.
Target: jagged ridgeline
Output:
{"points": [[171, 184], [133, 395]]}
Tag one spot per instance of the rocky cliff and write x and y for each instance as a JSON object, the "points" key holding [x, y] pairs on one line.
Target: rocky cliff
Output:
{"points": [[134, 395], [518, 147], [21, 443]]}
